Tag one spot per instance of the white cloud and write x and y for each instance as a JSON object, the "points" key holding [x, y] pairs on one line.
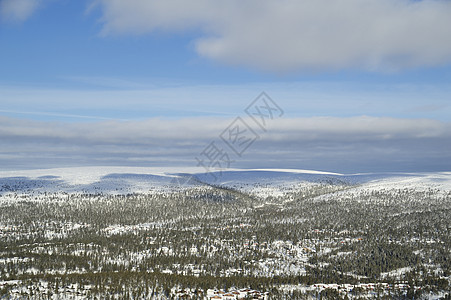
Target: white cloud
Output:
{"points": [[153, 131], [335, 144], [291, 35], [17, 10]]}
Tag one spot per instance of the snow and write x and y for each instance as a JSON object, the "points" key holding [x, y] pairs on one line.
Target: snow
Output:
{"points": [[261, 183], [284, 257], [88, 175], [296, 171], [114, 180], [396, 273], [441, 181]]}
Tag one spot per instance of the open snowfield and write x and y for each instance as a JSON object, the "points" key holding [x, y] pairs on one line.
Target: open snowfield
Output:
{"points": [[260, 182]]}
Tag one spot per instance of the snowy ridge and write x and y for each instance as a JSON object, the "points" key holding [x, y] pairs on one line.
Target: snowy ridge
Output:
{"points": [[260, 182]]}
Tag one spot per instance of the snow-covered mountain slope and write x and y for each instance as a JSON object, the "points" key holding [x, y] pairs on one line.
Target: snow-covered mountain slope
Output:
{"points": [[266, 183], [260, 182], [110, 180]]}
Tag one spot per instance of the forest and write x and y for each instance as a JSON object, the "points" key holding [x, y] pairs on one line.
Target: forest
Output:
{"points": [[319, 241]]}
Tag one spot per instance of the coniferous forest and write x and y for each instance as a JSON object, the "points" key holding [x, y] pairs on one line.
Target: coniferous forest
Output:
{"points": [[327, 240]]}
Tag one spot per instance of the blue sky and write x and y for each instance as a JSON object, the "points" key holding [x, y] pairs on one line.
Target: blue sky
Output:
{"points": [[133, 70]]}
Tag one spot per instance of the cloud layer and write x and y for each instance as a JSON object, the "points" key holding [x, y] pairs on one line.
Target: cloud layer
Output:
{"points": [[291, 35], [359, 144]]}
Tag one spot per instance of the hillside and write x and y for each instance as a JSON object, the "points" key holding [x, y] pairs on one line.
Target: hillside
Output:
{"points": [[277, 234]]}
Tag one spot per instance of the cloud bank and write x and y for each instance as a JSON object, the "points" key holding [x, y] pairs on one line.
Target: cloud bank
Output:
{"points": [[292, 35], [358, 144]]}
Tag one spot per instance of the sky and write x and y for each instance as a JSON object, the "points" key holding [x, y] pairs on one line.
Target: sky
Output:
{"points": [[354, 85]]}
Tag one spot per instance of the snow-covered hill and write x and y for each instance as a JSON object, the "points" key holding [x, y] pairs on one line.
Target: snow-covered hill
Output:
{"points": [[263, 182], [276, 182]]}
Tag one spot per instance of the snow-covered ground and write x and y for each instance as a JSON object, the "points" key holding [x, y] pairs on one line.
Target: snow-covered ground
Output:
{"points": [[109, 180], [260, 182], [276, 236]]}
